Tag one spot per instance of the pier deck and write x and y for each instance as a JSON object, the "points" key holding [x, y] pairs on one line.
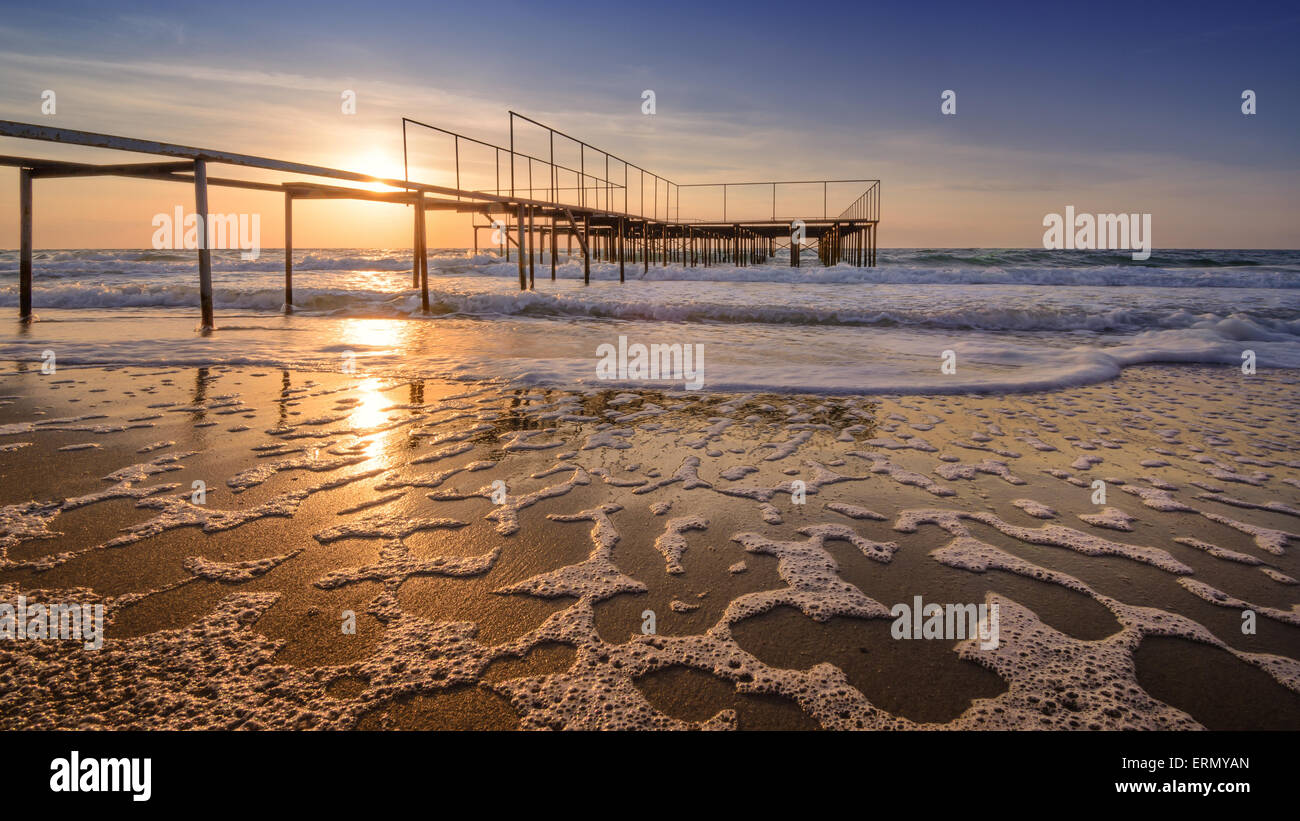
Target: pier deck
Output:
{"points": [[587, 202]]}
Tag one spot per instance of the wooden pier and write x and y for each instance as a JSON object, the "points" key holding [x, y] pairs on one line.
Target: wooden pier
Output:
{"points": [[586, 203]]}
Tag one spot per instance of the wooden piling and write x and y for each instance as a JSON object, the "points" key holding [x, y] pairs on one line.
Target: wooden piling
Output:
{"points": [[532, 242], [417, 219], [25, 244], [288, 252], [621, 230], [555, 244], [423, 252], [586, 250], [205, 252], [523, 277]]}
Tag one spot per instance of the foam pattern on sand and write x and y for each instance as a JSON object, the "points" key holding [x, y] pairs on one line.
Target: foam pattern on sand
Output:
{"points": [[774, 506]]}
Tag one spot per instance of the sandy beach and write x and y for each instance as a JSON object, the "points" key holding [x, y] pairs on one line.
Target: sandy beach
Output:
{"points": [[458, 398], [502, 551]]}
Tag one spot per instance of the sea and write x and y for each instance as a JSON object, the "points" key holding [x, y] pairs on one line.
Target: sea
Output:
{"points": [[923, 321]]}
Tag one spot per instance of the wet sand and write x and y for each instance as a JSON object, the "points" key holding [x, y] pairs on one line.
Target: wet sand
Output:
{"points": [[501, 550]]}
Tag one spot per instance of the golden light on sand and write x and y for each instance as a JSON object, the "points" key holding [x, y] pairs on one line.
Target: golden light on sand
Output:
{"points": [[369, 414], [366, 338], [373, 344]]}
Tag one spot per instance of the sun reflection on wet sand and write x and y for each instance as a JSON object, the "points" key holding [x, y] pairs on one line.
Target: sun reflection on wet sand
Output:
{"points": [[371, 413]]}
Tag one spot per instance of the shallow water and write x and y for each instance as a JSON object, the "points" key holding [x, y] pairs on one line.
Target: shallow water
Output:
{"points": [[1013, 320]]}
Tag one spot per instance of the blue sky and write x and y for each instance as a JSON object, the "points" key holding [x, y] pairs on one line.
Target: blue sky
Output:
{"points": [[1109, 107]]}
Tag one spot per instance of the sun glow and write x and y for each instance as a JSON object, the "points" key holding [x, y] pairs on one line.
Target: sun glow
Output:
{"points": [[376, 163]]}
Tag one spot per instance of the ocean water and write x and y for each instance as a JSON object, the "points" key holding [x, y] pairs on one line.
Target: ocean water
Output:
{"points": [[1017, 319]]}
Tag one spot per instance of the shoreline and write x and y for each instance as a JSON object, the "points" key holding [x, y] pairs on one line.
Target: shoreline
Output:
{"points": [[543, 351]]}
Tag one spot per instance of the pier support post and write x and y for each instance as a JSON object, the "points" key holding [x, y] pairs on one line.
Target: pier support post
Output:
{"points": [[25, 244], [422, 251], [205, 252], [415, 244], [586, 250], [523, 277], [532, 243], [621, 230], [555, 245], [288, 252]]}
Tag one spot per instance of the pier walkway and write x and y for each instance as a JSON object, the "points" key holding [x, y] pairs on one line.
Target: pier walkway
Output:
{"points": [[612, 210]]}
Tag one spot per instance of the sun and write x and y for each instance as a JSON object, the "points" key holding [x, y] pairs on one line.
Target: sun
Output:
{"points": [[377, 163]]}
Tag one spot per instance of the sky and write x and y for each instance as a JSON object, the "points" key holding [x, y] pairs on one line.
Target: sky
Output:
{"points": [[1107, 107]]}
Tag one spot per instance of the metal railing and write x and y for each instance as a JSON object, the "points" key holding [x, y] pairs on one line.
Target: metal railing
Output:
{"points": [[776, 186], [552, 189], [668, 186], [865, 208], [593, 185]]}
